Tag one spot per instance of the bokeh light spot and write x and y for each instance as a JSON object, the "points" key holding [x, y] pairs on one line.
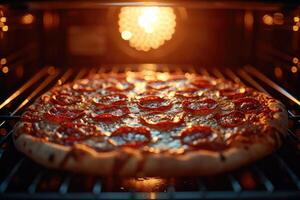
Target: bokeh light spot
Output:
{"points": [[147, 28]]}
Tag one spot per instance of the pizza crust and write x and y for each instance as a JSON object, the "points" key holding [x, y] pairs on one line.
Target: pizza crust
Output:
{"points": [[131, 162]]}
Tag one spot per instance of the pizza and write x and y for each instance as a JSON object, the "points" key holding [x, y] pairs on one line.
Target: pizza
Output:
{"points": [[150, 124]]}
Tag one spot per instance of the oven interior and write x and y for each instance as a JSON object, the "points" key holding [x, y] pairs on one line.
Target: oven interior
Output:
{"points": [[43, 44]]}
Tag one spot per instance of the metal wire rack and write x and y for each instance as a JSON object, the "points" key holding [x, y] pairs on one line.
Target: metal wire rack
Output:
{"points": [[276, 176]]}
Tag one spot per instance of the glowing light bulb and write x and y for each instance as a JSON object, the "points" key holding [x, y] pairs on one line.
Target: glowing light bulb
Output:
{"points": [[126, 35], [295, 60], [5, 28], [294, 69], [3, 61], [3, 19], [268, 20], [146, 28], [27, 19], [148, 18], [5, 70]]}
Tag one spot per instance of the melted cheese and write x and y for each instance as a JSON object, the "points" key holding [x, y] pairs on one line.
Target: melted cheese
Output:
{"points": [[161, 140]]}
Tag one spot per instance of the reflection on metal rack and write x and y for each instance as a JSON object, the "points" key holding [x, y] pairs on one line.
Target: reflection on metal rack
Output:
{"points": [[254, 181], [271, 83]]}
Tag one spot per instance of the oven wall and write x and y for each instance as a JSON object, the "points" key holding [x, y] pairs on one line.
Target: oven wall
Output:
{"points": [[203, 37], [207, 37]]}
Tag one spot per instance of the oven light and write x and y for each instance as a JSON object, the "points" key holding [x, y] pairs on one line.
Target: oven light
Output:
{"points": [[27, 19], [5, 70], [5, 28], [294, 69], [3, 19], [295, 60], [295, 28], [268, 20], [126, 35], [146, 28], [3, 25], [3, 61], [296, 19]]}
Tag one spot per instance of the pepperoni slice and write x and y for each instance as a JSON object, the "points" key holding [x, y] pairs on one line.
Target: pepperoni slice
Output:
{"points": [[163, 121], [247, 105], [120, 86], [62, 114], [200, 107], [157, 85], [154, 103], [202, 83], [66, 99], [231, 119], [30, 116], [111, 114], [109, 101], [233, 93], [127, 136], [73, 132], [200, 137]]}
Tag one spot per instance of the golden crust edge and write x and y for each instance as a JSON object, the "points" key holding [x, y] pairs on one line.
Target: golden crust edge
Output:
{"points": [[199, 162]]}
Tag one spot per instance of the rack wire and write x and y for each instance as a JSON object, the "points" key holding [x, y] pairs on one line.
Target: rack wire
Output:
{"points": [[276, 176]]}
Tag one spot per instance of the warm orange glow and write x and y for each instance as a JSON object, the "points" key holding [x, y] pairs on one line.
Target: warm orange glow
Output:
{"points": [[50, 20], [295, 28], [294, 69], [5, 28], [19, 71], [248, 20], [5, 70], [3, 61], [278, 18], [147, 28], [27, 19], [278, 72], [267, 19], [247, 180], [296, 19], [51, 70], [126, 35], [152, 195], [295, 60], [3, 19], [144, 184]]}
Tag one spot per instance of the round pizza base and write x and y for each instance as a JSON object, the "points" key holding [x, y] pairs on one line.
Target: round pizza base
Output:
{"points": [[133, 162]]}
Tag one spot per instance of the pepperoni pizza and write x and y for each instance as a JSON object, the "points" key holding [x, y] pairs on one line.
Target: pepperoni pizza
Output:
{"points": [[150, 124]]}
